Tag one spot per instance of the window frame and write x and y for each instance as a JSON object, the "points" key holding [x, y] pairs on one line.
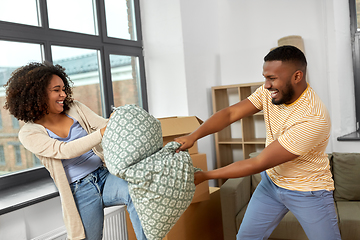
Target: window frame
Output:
{"points": [[355, 47], [355, 44], [47, 37]]}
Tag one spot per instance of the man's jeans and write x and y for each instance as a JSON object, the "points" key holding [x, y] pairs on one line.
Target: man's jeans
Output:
{"points": [[314, 210], [101, 189]]}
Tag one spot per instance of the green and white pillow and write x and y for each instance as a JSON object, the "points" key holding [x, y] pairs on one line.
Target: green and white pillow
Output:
{"points": [[132, 134], [160, 181]]}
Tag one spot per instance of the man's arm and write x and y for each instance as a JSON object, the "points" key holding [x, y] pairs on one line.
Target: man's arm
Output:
{"points": [[218, 121], [271, 156]]}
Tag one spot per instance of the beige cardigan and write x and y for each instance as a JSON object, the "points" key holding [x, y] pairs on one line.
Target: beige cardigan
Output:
{"points": [[35, 138]]}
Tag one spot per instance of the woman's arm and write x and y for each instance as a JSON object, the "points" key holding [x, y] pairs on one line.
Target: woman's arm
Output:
{"points": [[35, 139]]}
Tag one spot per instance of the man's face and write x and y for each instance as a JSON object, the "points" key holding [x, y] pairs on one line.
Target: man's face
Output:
{"points": [[278, 80]]}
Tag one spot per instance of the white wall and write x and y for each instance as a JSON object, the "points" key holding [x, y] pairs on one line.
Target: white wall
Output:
{"points": [[222, 42]]}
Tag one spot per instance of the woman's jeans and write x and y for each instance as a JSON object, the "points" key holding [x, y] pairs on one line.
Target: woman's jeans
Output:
{"points": [[101, 189], [315, 211]]}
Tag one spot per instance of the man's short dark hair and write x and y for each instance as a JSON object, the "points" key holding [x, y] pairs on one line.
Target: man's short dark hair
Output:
{"points": [[287, 53]]}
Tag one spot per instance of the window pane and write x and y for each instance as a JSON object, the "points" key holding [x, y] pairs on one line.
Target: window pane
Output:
{"points": [[73, 16], [18, 155], [82, 67], [120, 19], [15, 123], [125, 80], [14, 55], [2, 157], [11, 12], [37, 161]]}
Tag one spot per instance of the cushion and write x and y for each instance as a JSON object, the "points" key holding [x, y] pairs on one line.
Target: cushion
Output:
{"points": [[346, 168], [132, 134], [161, 187], [349, 219], [160, 181]]}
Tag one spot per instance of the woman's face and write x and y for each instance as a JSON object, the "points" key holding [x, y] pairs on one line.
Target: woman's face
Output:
{"points": [[56, 95]]}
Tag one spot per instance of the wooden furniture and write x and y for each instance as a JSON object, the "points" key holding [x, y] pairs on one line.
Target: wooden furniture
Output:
{"points": [[241, 138]]}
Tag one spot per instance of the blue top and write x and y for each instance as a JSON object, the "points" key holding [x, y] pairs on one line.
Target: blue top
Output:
{"points": [[78, 167]]}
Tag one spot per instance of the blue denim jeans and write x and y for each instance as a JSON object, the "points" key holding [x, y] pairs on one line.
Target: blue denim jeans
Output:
{"points": [[101, 189], [315, 211]]}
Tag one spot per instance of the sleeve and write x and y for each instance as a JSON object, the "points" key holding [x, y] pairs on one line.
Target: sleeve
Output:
{"points": [[302, 137], [38, 142], [256, 98]]}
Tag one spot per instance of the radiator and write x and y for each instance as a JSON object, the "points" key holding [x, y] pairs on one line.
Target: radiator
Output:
{"points": [[114, 226]]}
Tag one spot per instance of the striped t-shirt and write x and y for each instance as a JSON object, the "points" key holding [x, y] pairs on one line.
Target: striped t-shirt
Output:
{"points": [[302, 128]]}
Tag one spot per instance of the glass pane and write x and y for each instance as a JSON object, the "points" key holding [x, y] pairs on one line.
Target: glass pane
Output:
{"points": [[10, 12], [2, 157], [14, 55], [73, 16], [358, 14], [120, 19], [125, 80], [82, 67]]}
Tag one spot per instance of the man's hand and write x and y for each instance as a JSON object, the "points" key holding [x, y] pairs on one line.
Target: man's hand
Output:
{"points": [[199, 177], [185, 141]]}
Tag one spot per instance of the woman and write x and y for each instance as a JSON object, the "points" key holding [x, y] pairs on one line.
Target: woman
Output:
{"points": [[66, 135]]}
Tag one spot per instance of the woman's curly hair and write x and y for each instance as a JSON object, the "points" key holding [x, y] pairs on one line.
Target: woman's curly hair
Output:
{"points": [[26, 90]]}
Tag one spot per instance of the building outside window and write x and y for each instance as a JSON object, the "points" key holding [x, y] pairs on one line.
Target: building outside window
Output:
{"points": [[1, 124], [17, 155], [2, 156], [98, 42], [36, 161], [15, 123]]}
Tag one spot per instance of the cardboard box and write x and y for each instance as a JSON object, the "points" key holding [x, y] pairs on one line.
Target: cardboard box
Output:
{"points": [[202, 190], [173, 127], [201, 221]]}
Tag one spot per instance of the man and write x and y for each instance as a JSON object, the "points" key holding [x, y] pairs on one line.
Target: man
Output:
{"points": [[297, 176]]}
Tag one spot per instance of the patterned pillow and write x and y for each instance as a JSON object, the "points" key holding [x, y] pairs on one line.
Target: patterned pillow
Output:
{"points": [[161, 181], [161, 187], [132, 134]]}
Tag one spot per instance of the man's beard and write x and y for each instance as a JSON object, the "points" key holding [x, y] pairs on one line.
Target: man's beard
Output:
{"points": [[287, 95]]}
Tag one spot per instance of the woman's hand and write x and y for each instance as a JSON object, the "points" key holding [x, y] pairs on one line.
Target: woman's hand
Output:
{"points": [[185, 141], [102, 131], [199, 177]]}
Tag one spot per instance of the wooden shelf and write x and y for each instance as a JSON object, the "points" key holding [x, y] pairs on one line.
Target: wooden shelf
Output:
{"points": [[256, 141], [230, 149], [231, 141]]}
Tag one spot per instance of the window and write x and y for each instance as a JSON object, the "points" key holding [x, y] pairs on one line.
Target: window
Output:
{"points": [[1, 125], [15, 123], [2, 156], [36, 160], [355, 37], [18, 160], [98, 42]]}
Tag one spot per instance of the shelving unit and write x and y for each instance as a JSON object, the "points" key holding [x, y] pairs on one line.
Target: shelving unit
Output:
{"points": [[237, 141]]}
